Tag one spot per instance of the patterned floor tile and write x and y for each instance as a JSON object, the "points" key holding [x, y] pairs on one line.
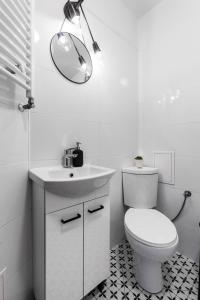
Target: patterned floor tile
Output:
{"points": [[112, 293], [114, 282], [92, 295], [134, 294], [180, 276]]}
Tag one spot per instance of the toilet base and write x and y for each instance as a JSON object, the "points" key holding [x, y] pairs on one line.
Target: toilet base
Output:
{"points": [[148, 274]]}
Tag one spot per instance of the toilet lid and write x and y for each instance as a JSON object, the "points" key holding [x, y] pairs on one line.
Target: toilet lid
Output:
{"points": [[140, 171], [150, 227]]}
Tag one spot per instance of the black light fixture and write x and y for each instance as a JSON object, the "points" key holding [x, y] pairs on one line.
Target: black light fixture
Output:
{"points": [[94, 43], [82, 63], [96, 48], [80, 57], [61, 36], [72, 13]]}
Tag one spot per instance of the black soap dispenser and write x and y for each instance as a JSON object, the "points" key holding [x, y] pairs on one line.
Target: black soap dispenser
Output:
{"points": [[78, 160]]}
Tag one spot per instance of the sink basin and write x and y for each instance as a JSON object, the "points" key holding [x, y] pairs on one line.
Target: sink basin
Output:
{"points": [[72, 182]]}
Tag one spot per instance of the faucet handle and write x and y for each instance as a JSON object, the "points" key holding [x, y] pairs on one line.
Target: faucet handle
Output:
{"points": [[69, 151], [68, 158]]}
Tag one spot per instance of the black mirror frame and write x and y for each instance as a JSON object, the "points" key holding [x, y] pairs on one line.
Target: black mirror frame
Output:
{"points": [[60, 70]]}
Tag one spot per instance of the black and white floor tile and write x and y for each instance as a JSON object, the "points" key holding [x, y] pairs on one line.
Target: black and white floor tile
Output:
{"points": [[180, 278]]}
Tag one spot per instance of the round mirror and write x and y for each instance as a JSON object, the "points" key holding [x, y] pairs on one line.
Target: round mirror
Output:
{"points": [[71, 57]]}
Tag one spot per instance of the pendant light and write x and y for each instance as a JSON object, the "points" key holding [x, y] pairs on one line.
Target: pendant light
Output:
{"points": [[72, 14], [95, 45]]}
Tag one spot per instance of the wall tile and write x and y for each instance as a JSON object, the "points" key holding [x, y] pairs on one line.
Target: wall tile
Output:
{"points": [[14, 194], [15, 216], [169, 105], [14, 135], [19, 285], [16, 246], [170, 202]]}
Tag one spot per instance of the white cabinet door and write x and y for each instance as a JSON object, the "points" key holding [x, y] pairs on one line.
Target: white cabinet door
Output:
{"points": [[64, 254], [96, 242]]}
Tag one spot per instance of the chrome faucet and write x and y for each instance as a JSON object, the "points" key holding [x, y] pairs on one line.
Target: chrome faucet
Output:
{"points": [[68, 158]]}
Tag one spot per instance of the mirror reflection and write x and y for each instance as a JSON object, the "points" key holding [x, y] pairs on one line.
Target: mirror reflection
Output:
{"points": [[71, 57]]}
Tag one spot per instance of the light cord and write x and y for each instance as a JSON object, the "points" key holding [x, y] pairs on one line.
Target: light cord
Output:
{"points": [[87, 24]]}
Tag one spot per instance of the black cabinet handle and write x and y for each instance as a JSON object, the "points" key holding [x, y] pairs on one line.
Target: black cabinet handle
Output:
{"points": [[70, 220], [93, 211]]}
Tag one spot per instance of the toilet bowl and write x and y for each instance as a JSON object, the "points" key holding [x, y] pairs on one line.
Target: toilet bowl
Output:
{"points": [[151, 234], [154, 239]]}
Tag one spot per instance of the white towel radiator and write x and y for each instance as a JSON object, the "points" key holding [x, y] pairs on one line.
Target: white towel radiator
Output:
{"points": [[15, 44]]}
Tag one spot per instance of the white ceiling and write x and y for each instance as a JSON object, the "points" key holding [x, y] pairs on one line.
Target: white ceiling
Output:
{"points": [[140, 7]]}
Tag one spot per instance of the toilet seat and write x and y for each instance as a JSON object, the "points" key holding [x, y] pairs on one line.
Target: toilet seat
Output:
{"points": [[150, 227]]}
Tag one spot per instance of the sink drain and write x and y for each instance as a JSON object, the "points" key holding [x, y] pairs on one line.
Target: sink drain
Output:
{"points": [[71, 175]]}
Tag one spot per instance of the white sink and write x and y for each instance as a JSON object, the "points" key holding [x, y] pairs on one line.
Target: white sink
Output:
{"points": [[74, 181]]}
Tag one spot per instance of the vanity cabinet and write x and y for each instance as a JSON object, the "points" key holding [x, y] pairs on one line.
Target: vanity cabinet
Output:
{"points": [[71, 243], [96, 242], [64, 254]]}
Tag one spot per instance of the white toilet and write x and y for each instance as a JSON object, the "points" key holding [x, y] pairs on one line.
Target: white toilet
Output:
{"points": [[151, 234]]}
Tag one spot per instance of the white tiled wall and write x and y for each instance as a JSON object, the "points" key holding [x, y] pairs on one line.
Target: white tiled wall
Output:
{"points": [[102, 113], [15, 213], [169, 73]]}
